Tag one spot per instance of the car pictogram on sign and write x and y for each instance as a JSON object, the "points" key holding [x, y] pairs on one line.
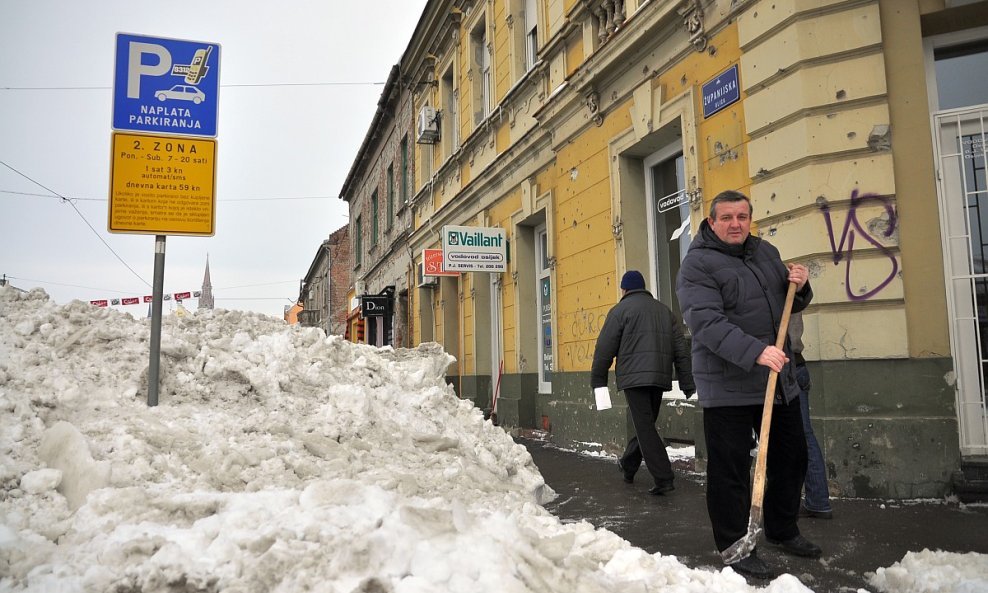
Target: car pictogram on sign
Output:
{"points": [[182, 92]]}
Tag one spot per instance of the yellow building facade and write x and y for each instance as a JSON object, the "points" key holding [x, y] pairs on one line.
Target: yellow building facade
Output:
{"points": [[596, 132]]}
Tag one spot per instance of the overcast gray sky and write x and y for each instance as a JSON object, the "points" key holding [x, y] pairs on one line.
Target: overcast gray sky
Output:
{"points": [[284, 146]]}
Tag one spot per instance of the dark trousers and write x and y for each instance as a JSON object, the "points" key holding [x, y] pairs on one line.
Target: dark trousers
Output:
{"points": [[729, 461], [644, 404]]}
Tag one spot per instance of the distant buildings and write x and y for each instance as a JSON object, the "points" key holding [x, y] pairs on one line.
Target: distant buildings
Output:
{"points": [[322, 294], [291, 313]]}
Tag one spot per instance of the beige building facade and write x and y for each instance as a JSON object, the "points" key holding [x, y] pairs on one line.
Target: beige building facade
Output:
{"points": [[596, 132]]}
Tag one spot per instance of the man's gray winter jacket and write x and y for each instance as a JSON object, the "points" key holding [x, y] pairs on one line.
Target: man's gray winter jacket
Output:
{"points": [[647, 340], [732, 298]]}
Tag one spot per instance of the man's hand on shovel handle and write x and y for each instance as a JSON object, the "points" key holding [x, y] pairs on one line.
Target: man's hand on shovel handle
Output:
{"points": [[773, 358], [798, 275]]}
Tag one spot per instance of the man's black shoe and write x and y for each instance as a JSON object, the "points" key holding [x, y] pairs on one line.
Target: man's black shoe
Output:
{"points": [[798, 546], [660, 489], [805, 512], [752, 566]]}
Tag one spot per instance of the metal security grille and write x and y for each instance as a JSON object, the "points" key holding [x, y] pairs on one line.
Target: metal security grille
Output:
{"points": [[963, 198]]}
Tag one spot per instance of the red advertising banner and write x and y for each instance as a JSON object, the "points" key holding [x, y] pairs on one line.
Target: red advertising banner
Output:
{"points": [[433, 259], [178, 296]]}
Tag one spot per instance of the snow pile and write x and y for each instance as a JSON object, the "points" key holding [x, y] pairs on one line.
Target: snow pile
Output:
{"points": [[277, 460], [934, 572]]}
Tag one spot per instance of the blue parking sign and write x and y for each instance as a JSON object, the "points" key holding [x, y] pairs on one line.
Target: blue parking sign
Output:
{"points": [[168, 86]]}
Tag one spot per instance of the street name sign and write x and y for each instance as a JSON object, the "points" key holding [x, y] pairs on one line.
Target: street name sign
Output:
{"points": [[721, 92]]}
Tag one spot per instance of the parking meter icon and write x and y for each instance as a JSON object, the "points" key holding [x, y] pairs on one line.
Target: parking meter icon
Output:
{"points": [[198, 67]]}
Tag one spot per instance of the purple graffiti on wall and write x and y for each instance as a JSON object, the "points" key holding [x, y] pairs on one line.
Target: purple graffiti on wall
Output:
{"points": [[847, 235]]}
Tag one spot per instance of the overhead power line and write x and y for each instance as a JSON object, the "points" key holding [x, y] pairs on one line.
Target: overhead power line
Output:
{"points": [[69, 202], [74, 198], [244, 85], [69, 285], [131, 291], [219, 298], [255, 285]]}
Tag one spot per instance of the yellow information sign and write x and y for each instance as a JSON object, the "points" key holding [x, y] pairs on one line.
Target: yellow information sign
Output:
{"points": [[162, 185]]}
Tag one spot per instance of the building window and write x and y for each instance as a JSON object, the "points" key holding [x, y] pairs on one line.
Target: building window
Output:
{"points": [[374, 218], [358, 243], [404, 169], [482, 68], [391, 195], [531, 34], [449, 132], [961, 74]]}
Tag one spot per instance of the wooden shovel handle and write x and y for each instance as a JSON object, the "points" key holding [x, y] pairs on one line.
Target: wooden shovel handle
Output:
{"points": [[758, 490]]}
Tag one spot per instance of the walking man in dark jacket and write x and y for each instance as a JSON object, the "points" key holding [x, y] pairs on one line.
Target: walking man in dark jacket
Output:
{"points": [[647, 340], [732, 287]]}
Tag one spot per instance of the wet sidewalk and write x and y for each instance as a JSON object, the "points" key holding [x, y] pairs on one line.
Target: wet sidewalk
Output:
{"points": [[863, 535]]}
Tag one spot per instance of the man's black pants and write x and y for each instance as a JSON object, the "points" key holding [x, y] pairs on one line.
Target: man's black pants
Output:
{"points": [[729, 443], [644, 404]]}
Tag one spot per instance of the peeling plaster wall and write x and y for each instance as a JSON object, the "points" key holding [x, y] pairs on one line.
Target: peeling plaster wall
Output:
{"points": [[824, 190]]}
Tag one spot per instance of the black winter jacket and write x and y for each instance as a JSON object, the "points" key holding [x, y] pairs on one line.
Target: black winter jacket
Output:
{"points": [[647, 340], [732, 299]]}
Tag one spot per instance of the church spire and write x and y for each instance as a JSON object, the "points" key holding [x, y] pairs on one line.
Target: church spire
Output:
{"points": [[206, 296]]}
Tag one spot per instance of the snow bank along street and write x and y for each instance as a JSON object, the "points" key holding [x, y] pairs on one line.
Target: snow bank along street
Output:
{"points": [[279, 459]]}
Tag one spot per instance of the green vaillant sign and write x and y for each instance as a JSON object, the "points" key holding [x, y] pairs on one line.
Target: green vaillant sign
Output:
{"points": [[474, 249]]}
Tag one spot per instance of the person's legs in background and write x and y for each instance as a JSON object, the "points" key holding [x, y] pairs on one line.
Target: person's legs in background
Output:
{"points": [[645, 404], [631, 459], [816, 501]]}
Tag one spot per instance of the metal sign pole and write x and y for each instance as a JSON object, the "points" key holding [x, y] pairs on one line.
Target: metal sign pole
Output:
{"points": [[158, 292]]}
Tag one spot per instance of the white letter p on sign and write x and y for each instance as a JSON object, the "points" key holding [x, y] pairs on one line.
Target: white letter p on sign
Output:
{"points": [[135, 69]]}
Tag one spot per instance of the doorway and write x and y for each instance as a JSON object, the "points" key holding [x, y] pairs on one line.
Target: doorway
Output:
{"points": [[959, 87], [668, 214], [543, 283]]}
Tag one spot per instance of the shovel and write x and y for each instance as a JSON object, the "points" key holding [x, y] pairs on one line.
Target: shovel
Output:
{"points": [[743, 547]]}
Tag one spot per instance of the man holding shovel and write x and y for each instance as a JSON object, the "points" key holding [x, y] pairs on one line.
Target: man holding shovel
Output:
{"points": [[733, 291]]}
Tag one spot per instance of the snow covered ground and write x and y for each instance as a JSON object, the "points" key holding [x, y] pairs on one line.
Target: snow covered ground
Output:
{"points": [[283, 460]]}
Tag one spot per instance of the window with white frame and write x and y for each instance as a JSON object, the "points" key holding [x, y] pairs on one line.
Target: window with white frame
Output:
{"points": [[531, 34], [449, 132], [482, 72]]}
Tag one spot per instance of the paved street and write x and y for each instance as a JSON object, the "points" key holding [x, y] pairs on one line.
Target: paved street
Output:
{"points": [[864, 534]]}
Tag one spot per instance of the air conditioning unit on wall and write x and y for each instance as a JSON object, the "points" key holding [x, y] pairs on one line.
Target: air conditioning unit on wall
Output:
{"points": [[426, 281], [428, 126]]}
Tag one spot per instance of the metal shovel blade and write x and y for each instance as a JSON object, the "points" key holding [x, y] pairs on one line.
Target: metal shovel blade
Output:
{"points": [[742, 548]]}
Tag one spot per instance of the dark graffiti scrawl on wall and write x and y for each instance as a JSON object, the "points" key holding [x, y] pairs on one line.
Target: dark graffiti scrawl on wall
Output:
{"points": [[844, 249], [585, 328]]}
